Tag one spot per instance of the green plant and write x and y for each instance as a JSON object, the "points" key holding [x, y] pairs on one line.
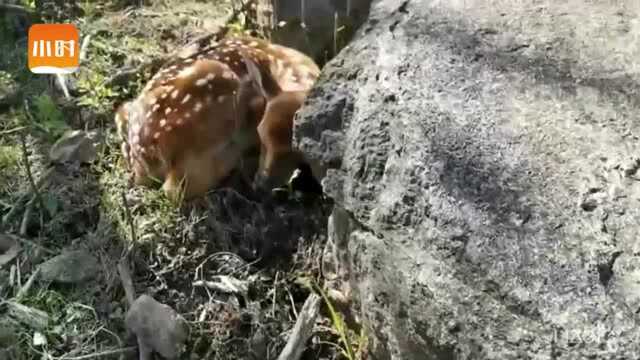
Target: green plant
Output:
{"points": [[48, 117], [5, 78], [97, 95], [236, 28], [91, 9], [10, 156], [348, 344], [29, 3]]}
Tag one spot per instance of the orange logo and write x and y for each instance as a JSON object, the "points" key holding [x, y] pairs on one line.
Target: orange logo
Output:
{"points": [[53, 48]]}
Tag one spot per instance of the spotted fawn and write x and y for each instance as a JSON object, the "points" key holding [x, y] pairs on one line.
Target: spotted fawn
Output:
{"points": [[194, 120]]}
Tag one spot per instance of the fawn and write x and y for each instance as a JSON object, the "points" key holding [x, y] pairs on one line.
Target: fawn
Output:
{"points": [[197, 117]]}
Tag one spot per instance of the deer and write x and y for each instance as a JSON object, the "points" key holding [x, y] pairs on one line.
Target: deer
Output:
{"points": [[198, 117]]}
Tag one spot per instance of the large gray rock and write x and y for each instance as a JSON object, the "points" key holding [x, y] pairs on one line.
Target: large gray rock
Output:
{"points": [[487, 154]]}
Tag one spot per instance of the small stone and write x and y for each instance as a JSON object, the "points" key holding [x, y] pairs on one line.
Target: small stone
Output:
{"points": [[157, 326], [70, 267], [75, 146]]}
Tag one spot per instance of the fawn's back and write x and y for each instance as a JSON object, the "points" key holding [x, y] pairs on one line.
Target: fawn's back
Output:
{"points": [[196, 117]]}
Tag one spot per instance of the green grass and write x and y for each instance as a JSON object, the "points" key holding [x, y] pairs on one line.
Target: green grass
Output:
{"points": [[10, 155], [9, 158], [351, 346]]}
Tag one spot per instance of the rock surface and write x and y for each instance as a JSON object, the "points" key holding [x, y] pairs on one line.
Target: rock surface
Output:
{"points": [[70, 267], [75, 146], [486, 153], [158, 327]]}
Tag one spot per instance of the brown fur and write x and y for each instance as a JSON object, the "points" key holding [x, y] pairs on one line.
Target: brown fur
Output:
{"points": [[194, 121]]}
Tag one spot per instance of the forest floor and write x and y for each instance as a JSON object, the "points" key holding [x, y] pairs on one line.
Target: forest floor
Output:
{"points": [[238, 271]]}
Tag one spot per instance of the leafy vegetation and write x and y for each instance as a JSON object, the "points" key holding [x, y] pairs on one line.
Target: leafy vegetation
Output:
{"points": [[351, 348], [48, 116]]}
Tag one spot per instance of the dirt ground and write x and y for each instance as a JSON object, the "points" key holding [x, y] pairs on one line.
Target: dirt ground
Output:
{"points": [[66, 225]]}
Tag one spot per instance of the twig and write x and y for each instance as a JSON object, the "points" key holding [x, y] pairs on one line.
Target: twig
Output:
{"points": [[14, 130], [154, 14], [275, 292], [27, 286], [129, 218], [223, 253], [29, 242], [247, 265], [123, 76], [199, 269], [18, 273], [16, 207], [124, 269], [62, 82], [293, 304], [335, 33], [12, 275], [84, 47], [34, 318], [225, 284], [302, 330], [34, 186], [26, 216], [27, 164], [127, 282]]}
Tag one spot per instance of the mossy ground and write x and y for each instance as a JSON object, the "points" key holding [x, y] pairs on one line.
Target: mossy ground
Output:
{"points": [[275, 249]]}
